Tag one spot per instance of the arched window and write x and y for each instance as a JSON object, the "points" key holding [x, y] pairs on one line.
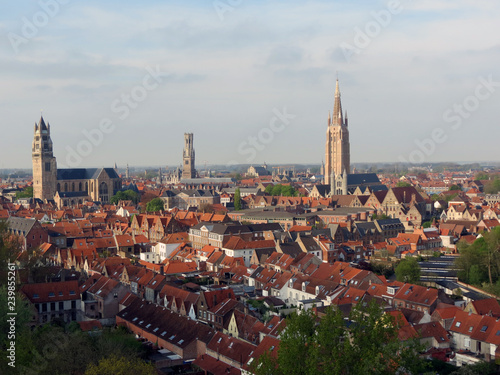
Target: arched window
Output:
{"points": [[58, 186], [103, 188], [86, 186], [80, 186], [65, 186], [72, 186]]}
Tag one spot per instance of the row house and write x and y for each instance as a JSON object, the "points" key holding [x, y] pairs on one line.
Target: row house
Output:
{"points": [[179, 301], [154, 287], [156, 227], [55, 300], [462, 212], [229, 350], [479, 334], [244, 326], [238, 248], [218, 234], [417, 298], [211, 298], [101, 296], [167, 329], [30, 232], [261, 276]]}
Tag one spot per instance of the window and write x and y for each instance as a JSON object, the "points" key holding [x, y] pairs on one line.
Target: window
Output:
{"points": [[51, 294], [484, 328]]}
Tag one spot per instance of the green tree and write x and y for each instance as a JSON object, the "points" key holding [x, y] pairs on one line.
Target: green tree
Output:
{"points": [[288, 191], [237, 199], [455, 187], [26, 193], [493, 187], [403, 184], [426, 224], [155, 205], [408, 271], [480, 261], [127, 195], [269, 189], [380, 217], [276, 191], [367, 343], [115, 365]]}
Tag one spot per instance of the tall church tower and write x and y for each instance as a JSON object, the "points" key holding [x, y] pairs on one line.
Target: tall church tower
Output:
{"points": [[338, 155], [44, 163], [188, 170]]}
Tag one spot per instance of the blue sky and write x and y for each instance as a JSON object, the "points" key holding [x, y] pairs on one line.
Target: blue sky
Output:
{"points": [[227, 67]]}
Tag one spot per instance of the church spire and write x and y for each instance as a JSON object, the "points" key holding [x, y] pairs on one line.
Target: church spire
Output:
{"points": [[337, 107]]}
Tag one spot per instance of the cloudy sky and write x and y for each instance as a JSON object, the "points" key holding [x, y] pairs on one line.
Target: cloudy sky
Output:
{"points": [[253, 80]]}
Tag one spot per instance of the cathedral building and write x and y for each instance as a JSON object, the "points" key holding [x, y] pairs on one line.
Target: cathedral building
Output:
{"points": [[71, 186]]}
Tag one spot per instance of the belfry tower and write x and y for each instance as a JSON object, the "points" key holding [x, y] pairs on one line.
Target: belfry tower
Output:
{"points": [[188, 170], [44, 163], [338, 155]]}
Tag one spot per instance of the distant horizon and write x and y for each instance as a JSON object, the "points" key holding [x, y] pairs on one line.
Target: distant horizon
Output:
{"points": [[202, 168]]}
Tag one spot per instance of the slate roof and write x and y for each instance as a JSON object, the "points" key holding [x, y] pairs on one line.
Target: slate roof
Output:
{"points": [[363, 179], [20, 224], [84, 173], [163, 323]]}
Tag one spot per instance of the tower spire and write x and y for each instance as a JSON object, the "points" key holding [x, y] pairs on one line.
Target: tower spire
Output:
{"points": [[337, 107]]}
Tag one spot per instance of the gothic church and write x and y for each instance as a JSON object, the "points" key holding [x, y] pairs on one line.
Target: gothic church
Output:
{"points": [[71, 186]]}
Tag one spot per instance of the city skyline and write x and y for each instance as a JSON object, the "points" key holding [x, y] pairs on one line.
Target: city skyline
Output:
{"points": [[227, 73]]}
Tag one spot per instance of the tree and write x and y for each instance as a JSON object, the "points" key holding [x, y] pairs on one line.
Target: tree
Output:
{"points": [[403, 184], [367, 343], [207, 208], [408, 271], [493, 187], [121, 366], [155, 205], [276, 191], [427, 224], [127, 195], [237, 199], [380, 217], [455, 187], [288, 191], [480, 262], [26, 193]]}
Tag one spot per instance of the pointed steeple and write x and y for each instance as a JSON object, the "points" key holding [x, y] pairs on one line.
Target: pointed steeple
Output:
{"points": [[345, 118], [329, 118], [337, 107], [41, 124]]}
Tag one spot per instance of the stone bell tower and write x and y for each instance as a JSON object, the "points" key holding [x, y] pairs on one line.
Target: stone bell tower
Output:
{"points": [[44, 163]]}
